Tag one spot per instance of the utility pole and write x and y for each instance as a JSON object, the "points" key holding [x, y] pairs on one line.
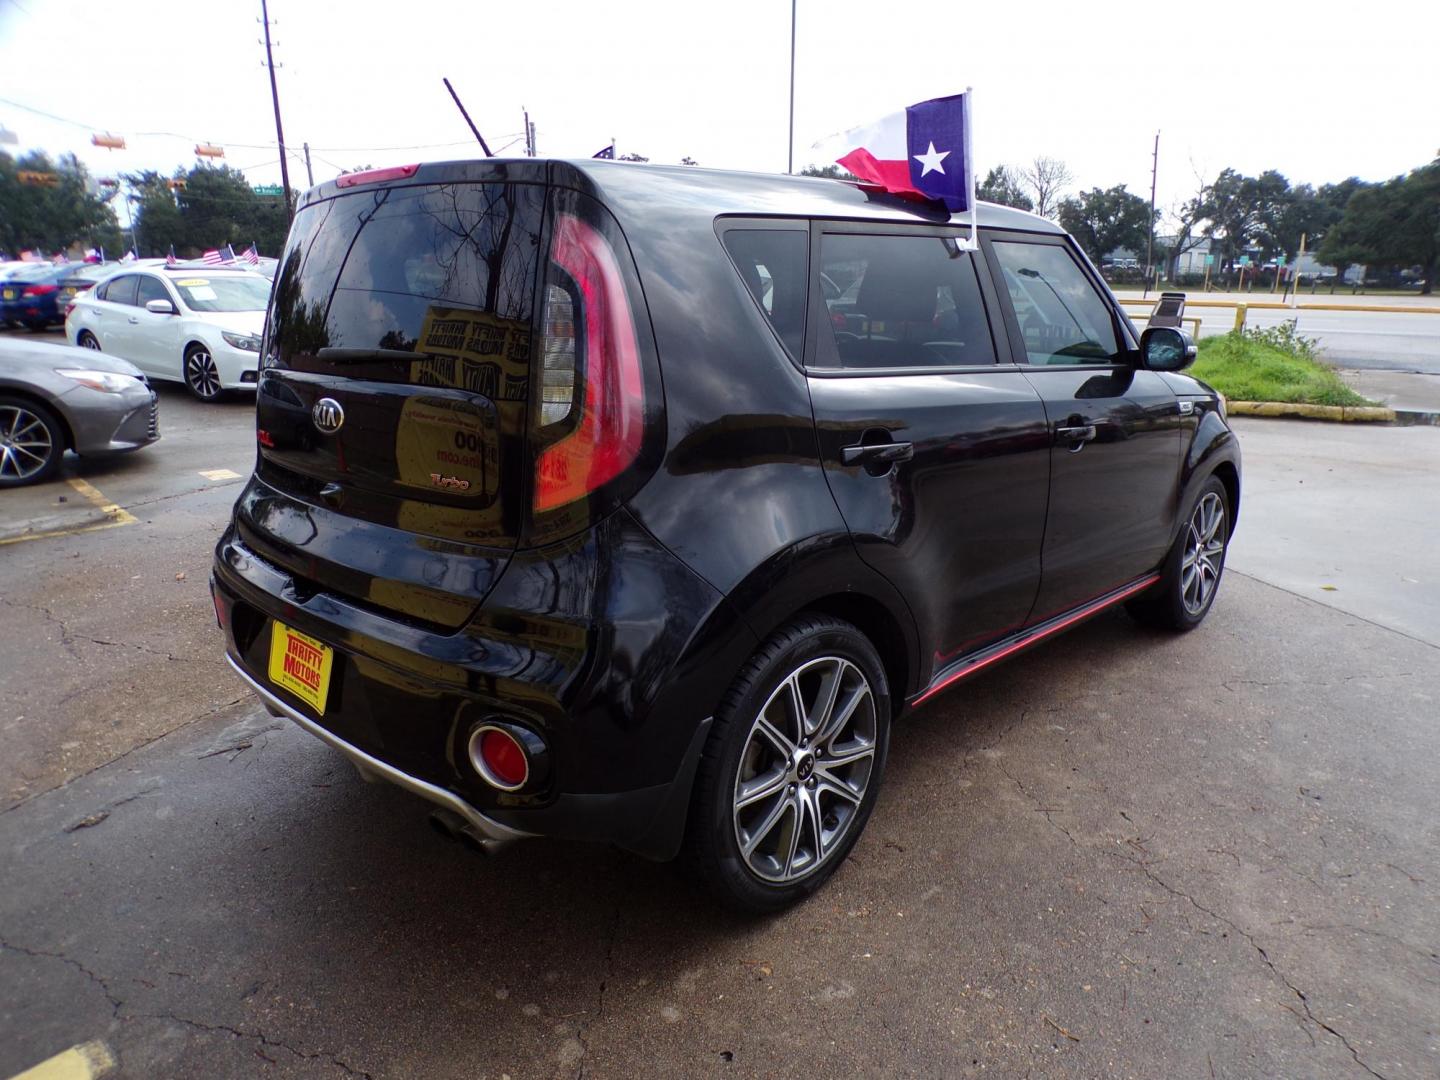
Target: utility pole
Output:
{"points": [[790, 146], [309, 172], [1150, 242], [275, 99]]}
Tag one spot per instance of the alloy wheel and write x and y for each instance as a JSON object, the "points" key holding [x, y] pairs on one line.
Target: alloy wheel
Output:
{"points": [[202, 375], [805, 768], [1204, 554], [87, 341], [25, 443]]}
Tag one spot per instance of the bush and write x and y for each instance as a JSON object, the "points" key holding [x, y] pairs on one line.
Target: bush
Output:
{"points": [[1274, 364]]}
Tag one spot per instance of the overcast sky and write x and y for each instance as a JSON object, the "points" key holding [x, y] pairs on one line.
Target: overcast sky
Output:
{"points": [[1317, 90]]}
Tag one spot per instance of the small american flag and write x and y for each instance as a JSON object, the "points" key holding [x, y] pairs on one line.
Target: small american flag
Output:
{"points": [[250, 255], [212, 258], [170, 259]]}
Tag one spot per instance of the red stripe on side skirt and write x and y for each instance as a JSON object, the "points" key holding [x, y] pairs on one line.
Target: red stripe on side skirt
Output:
{"points": [[1092, 608]]}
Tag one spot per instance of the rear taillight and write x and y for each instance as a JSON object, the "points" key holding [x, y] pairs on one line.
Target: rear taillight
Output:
{"points": [[39, 290], [374, 176], [598, 345]]}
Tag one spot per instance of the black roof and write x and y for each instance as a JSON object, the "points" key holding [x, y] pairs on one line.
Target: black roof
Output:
{"points": [[632, 189]]}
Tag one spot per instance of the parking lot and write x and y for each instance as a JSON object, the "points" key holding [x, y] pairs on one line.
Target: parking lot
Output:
{"points": [[1127, 854]]}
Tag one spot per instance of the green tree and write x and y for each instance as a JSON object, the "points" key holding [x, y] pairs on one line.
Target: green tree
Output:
{"points": [[829, 172], [56, 216], [1245, 212], [1003, 185], [1103, 220], [158, 221], [1394, 224], [215, 207]]}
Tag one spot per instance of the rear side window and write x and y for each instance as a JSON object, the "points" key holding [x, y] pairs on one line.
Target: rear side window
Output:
{"points": [[1062, 317], [900, 302], [431, 284], [772, 263], [120, 290]]}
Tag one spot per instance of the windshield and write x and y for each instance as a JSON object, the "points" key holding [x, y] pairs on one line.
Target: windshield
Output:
{"points": [[238, 293]]}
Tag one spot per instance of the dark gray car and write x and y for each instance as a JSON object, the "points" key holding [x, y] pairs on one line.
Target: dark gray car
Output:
{"points": [[58, 397]]}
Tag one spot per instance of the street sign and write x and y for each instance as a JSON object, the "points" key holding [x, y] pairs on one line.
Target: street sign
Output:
{"points": [[1244, 260], [1279, 260], [1209, 260], [268, 189]]}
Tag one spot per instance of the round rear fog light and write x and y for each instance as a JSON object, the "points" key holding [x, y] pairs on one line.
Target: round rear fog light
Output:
{"points": [[499, 758]]}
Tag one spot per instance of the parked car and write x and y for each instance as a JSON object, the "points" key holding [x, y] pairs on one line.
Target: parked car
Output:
{"points": [[490, 555], [81, 278], [199, 327], [28, 297], [57, 397]]}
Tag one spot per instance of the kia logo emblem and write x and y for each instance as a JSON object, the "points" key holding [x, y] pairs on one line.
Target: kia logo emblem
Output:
{"points": [[328, 415]]}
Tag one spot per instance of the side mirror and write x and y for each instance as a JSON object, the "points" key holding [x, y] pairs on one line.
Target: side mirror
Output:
{"points": [[160, 307], [1166, 348]]}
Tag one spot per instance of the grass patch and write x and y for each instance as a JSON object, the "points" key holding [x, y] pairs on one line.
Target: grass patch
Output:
{"points": [[1275, 364]]}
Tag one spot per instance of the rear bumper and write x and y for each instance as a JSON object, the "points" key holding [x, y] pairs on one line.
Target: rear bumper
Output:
{"points": [[623, 711], [486, 828]]}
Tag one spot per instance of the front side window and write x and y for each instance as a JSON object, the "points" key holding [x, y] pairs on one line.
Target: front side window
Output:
{"points": [[151, 289], [900, 302], [1062, 317], [773, 264]]}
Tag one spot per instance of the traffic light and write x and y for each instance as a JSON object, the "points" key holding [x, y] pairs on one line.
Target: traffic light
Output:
{"points": [[110, 142], [209, 150], [38, 179]]}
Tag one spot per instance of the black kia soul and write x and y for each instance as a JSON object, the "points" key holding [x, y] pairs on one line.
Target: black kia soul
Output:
{"points": [[634, 504]]}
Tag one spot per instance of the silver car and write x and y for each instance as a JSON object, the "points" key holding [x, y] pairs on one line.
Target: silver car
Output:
{"points": [[58, 397]]}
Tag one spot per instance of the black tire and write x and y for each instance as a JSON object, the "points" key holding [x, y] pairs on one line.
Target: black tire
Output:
{"points": [[201, 376], [32, 442], [87, 340], [842, 749], [1173, 603]]}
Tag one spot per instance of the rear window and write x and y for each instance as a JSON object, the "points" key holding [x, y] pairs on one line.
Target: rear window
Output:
{"points": [[901, 302], [120, 290], [431, 284]]}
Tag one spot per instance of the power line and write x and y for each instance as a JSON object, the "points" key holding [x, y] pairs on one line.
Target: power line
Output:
{"points": [[229, 142]]}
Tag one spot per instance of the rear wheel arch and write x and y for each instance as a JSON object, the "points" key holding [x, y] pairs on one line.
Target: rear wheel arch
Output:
{"points": [[881, 627]]}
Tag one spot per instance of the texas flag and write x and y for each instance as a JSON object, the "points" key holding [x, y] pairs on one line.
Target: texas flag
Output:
{"points": [[922, 151]]}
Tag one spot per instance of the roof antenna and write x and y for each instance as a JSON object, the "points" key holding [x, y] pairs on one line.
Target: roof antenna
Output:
{"points": [[483, 145]]}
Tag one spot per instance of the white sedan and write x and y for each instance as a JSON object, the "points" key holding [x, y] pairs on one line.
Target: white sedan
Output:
{"points": [[201, 327]]}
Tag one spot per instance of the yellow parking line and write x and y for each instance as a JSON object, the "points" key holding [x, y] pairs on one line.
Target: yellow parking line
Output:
{"points": [[114, 514], [88, 1061], [119, 516]]}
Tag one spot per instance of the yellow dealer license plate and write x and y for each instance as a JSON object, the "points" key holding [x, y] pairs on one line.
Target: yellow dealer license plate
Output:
{"points": [[10, 294], [300, 664]]}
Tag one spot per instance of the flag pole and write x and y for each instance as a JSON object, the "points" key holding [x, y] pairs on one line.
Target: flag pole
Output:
{"points": [[970, 177]]}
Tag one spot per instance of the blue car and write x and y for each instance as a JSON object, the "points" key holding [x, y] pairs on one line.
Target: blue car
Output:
{"points": [[34, 297]]}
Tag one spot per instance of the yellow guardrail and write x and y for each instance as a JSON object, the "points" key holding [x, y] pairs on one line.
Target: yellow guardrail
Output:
{"points": [[1243, 307]]}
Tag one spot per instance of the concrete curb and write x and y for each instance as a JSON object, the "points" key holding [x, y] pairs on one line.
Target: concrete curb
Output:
{"points": [[1339, 413]]}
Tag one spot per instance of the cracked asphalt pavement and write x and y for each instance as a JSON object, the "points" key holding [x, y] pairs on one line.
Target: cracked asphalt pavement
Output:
{"points": [[1123, 855]]}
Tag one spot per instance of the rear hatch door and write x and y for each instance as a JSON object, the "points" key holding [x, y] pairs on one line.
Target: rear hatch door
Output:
{"points": [[393, 394]]}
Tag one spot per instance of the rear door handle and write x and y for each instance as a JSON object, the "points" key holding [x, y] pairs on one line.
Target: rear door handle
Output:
{"points": [[877, 453], [133, 319], [1081, 433]]}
